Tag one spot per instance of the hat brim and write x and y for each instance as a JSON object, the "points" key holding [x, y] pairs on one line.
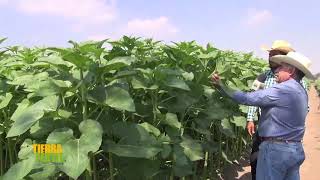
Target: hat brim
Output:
{"points": [[278, 59], [282, 49]]}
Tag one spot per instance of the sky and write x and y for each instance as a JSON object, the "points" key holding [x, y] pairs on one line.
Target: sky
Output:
{"points": [[236, 25]]}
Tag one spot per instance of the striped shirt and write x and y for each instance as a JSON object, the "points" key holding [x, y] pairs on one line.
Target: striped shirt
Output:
{"points": [[269, 81]]}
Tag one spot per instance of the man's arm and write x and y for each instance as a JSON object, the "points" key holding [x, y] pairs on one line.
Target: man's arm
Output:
{"points": [[304, 85], [261, 98]]}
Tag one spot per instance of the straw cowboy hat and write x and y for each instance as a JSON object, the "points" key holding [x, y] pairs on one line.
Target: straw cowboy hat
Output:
{"points": [[297, 60], [279, 45]]}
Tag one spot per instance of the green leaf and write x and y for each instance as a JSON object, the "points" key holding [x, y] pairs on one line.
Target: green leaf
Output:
{"points": [[98, 95], [19, 170], [172, 120], [64, 113], [75, 151], [44, 88], [21, 108], [25, 121], [192, 149], [220, 67], [151, 129], [32, 114], [208, 91], [6, 100], [226, 128], [132, 134], [48, 170], [239, 121], [26, 149], [217, 111], [76, 160], [189, 76], [60, 136], [2, 40], [182, 165], [118, 62], [42, 128], [55, 60], [177, 83], [143, 151], [120, 99], [74, 57]]}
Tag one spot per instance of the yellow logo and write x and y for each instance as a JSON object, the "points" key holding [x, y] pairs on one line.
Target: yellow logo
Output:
{"points": [[48, 153]]}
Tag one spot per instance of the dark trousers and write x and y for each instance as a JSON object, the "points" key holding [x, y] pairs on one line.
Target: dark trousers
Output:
{"points": [[256, 141]]}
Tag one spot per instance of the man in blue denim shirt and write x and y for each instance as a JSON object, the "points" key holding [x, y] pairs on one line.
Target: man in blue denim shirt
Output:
{"points": [[283, 111]]}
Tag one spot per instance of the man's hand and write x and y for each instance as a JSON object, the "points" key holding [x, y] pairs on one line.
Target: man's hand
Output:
{"points": [[250, 127], [215, 79]]}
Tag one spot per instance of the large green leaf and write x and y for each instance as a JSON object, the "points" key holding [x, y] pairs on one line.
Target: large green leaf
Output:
{"points": [[74, 57], [117, 63], [75, 151], [177, 83], [120, 99], [20, 169], [192, 149], [142, 151], [21, 108], [98, 95], [182, 165], [133, 134], [32, 114], [60, 136], [139, 83], [55, 60]]}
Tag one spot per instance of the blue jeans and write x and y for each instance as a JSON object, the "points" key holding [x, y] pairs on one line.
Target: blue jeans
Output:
{"points": [[279, 160]]}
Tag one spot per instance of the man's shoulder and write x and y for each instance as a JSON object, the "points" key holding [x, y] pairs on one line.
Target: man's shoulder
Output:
{"points": [[289, 85]]}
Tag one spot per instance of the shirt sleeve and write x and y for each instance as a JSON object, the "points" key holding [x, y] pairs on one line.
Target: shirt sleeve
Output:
{"points": [[304, 85], [261, 98], [251, 113]]}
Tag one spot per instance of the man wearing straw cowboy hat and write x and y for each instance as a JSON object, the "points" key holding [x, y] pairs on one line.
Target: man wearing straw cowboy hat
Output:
{"points": [[265, 80], [284, 107]]}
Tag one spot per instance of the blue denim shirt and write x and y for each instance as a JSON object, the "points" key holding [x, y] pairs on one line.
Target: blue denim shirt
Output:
{"points": [[284, 109]]}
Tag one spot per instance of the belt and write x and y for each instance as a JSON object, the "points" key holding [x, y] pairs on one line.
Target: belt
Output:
{"points": [[274, 139]]}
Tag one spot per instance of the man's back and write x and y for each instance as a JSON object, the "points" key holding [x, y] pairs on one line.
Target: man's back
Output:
{"points": [[286, 119]]}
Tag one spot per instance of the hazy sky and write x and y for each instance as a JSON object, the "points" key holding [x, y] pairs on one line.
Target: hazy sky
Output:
{"points": [[240, 25]]}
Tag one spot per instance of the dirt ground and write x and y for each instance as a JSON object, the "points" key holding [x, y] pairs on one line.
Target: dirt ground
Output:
{"points": [[311, 141]]}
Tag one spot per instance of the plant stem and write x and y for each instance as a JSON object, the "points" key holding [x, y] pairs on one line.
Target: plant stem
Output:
{"points": [[154, 106], [11, 151], [83, 97], [205, 166], [1, 156], [171, 175], [220, 150], [88, 177], [94, 167], [84, 109], [111, 166]]}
